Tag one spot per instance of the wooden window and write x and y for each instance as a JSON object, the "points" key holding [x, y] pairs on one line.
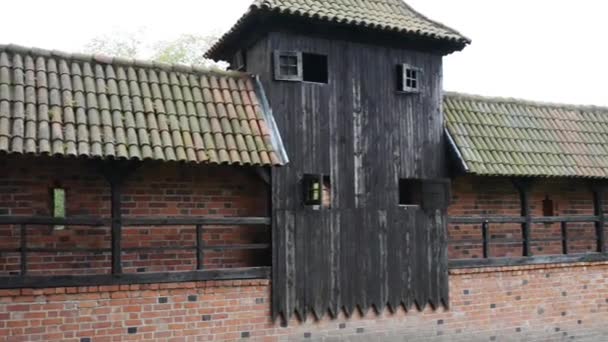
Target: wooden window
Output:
{"points": [[298, 66], [58, 195], [288, 66], [239, 61], [317, 191], [548, 207], [410, 192], [409, 78], [431, 194], [314, 68]]}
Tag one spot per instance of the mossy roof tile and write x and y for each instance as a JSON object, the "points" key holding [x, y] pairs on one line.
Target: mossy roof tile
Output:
{"points": [[510, 137], [96, 106]]}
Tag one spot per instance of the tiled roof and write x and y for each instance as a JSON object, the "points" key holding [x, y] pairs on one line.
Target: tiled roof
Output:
{"points": [[53, 103], [386, 15], [500, 136]]}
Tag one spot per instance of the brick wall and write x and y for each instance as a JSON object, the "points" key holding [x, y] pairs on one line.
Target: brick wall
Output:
{"points": [[162, 190], [533, 303], [483, 196]]}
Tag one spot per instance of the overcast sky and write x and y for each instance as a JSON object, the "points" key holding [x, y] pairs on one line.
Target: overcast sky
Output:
{"points": [[548, 50]]}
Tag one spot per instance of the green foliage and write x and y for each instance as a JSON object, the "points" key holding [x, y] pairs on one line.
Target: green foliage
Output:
{"points": [[127, 45], [185, 49]]}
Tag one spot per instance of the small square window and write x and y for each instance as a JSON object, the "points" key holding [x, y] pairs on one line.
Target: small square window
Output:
{"points": [[317, 191], [408, 78], [287, 66], [410, 192]]}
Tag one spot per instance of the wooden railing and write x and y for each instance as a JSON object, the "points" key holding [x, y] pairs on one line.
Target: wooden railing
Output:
{"points": [[526, 241], [24, 279]]}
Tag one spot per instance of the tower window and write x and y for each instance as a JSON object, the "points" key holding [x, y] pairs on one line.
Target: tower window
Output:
{"points": [[408, 78], [239, 62], [317, 191], [298, 66], [314, 68], [287, 66], [410, 192]]}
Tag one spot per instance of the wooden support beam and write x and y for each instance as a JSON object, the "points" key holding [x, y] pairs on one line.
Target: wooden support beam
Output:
{"points": [[263, 173], [23, 250], [485, 230], [128, 278], [598, 205], [564, 238], [523, 187], [199, 247], [522, 261], [115, 173], [116, 193]]}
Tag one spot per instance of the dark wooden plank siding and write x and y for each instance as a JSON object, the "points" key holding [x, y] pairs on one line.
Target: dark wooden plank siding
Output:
{"points": [[365, 251]]}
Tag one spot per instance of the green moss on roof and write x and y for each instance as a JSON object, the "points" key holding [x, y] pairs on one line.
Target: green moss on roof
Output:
{"points": [[512, 137], [55, 103]]}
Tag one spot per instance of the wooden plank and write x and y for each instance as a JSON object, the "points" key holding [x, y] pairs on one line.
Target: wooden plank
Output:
{"points": [[395, 259], [335, 274], [116, 230], [523, 261], [139, 221], [409, 267], [51, 221], [482, 219], [193, 221], [485, 232], [523, 187], [151, 278], [564, 238], [598, 205], [23, 248], [200, 263]]}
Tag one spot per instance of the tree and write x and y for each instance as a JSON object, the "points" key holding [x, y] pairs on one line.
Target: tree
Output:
{"points": [[119, 44], [185, 49]]}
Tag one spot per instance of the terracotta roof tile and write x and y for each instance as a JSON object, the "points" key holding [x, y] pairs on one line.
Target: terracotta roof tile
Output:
{"points": [[95, 106]]}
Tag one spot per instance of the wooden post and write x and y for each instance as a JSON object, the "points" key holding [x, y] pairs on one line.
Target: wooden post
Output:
{"points": [[23, 250], [116, 192], [485, 230], [523, 187], [598, 202], [564, 237], [116, 173], [199, 248]]}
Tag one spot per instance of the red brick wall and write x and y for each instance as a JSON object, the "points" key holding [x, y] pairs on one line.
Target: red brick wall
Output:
{"points": [[161, 190], [534, 303], [483, 196]]}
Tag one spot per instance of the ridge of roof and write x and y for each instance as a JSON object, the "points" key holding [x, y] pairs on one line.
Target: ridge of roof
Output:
{"points": [[424, 27], [522, 101], [121, 61]]}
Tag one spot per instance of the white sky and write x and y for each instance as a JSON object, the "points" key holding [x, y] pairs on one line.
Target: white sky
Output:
{"points": [[548, 50]]}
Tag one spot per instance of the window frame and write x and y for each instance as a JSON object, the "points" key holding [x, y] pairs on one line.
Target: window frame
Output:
{"points": [[315, 183], [278, 75], [403, 87]]}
